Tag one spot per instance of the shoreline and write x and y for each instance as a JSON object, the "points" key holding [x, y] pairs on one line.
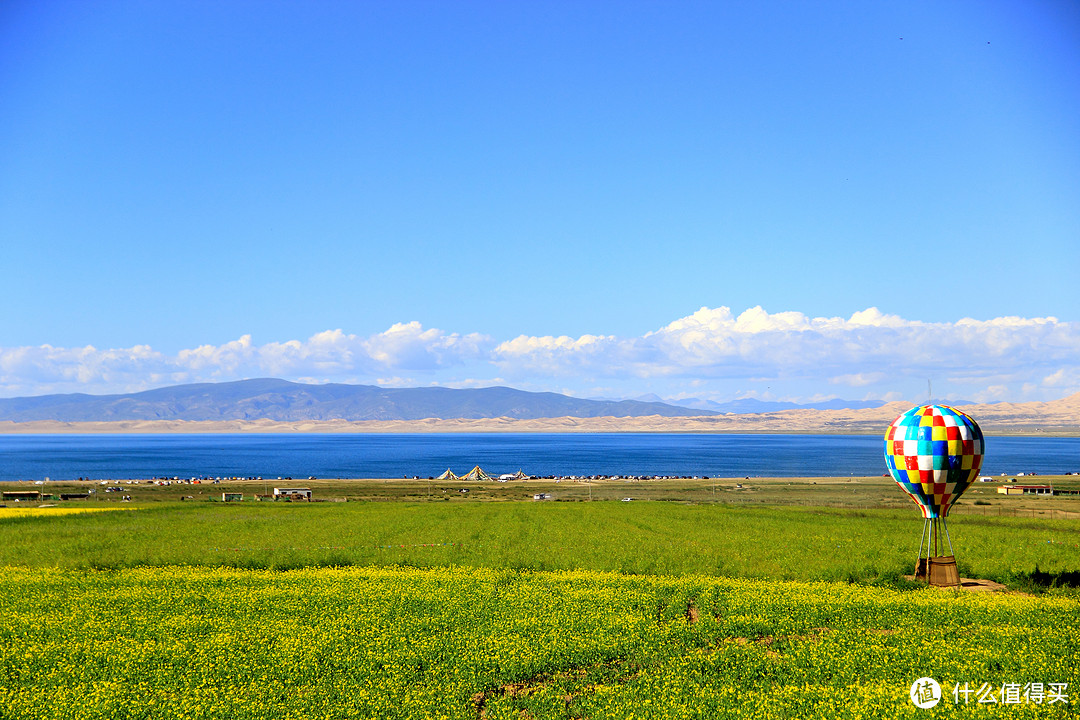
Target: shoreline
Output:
{"points": [[1059, 418], [852, 423]]}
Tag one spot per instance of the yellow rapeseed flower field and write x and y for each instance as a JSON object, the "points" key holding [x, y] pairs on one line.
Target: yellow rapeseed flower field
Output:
{"points": [[25, 512], [396, 642]]}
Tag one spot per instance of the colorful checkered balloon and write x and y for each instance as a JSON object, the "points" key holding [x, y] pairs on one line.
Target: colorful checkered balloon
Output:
{"points": [[934, 452]]}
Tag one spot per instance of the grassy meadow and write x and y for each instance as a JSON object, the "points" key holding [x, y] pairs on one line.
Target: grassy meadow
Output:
{"points": [[636, 538], [703, 602]]}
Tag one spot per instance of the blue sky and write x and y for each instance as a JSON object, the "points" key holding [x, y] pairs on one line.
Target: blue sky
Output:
{"points": [[777, 200]]}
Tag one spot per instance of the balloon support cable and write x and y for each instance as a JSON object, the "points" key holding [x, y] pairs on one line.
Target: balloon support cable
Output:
{"points": [[936, 569]]}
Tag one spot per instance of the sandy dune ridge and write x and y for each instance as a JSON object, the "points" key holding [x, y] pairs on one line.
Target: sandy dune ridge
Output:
{"points": [[1058, 417]]}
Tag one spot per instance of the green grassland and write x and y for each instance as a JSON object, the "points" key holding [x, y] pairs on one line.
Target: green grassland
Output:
{"points": [[780, 598], [640, 538]]}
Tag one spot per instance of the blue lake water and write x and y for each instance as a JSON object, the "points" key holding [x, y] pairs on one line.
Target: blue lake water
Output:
{"points": [[65, 457]]}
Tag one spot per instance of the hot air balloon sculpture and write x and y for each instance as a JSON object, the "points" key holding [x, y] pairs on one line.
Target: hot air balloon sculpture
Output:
{"points": [[934, 453]]}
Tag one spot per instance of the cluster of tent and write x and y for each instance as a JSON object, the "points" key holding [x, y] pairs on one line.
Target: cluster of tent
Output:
{"points": [[477, 473]]}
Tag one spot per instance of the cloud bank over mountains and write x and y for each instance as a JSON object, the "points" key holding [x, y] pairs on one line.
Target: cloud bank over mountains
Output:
{"points": [[712, 354]]}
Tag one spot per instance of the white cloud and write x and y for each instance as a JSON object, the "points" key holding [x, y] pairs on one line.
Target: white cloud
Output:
{"points": [[992, 394], [710, 353], [395, 382], [864, 349], [45, 369], [218, 360], [331, 355], [473, 383], [857, 379], [558, 355], [1063, 377], [872, 317], [411, 347]]}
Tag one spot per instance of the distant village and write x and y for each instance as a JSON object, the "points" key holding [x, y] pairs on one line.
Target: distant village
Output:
{"points": [[1009, 484]]}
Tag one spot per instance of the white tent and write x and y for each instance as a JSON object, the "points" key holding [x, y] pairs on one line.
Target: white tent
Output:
{"points": [[476, 474]]}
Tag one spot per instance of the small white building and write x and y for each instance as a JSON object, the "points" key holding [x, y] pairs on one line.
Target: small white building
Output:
{"points": [[1025, 490], [292, 494]]}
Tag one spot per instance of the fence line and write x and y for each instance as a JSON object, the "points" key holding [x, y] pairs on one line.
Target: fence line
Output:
{"points": [[1045, 513]]}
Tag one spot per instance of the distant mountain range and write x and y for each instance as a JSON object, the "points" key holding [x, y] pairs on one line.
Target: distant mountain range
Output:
{"points": [[752, 405], [281, 400], [271, 399]]}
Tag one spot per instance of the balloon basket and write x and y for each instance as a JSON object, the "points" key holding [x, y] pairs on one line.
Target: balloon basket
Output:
{"points": [[943, 572], [937, 570]]}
